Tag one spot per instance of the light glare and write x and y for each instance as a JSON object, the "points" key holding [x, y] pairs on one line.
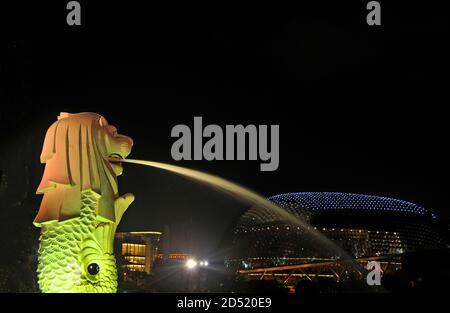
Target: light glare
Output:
{"points": [[191, 263]]}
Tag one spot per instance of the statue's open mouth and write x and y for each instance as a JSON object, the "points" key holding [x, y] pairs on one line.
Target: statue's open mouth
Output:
{"points": [[115, 160]]}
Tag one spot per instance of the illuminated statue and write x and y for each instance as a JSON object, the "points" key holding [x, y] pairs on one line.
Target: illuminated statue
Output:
{"points": [[81, 207]]}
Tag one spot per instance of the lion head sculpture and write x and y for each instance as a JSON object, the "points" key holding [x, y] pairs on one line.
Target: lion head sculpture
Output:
{"points": [[75, 152]]}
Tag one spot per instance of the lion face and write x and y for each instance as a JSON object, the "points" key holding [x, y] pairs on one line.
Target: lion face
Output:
{"points": [[117, 146]]}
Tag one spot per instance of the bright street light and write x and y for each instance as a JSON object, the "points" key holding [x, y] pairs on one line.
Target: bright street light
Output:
{"points": [[191, 263]]}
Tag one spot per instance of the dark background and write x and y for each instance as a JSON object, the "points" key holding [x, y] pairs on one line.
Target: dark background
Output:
{"points": [[361, 109]]}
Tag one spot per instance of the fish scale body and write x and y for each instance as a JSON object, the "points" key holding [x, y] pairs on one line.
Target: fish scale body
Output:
{"points": [[60, 263]]}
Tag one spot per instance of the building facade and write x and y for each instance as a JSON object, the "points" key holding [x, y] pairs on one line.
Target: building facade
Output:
{"points": [[327, 227], [136, 253]]}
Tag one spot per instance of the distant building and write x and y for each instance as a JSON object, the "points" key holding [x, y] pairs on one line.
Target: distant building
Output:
{"points": [[174, 257], [136, 253], [142, 266], [361, 227]]}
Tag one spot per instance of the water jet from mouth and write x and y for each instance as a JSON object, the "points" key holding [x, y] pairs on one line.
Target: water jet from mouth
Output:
{"points": [[244, 194]]}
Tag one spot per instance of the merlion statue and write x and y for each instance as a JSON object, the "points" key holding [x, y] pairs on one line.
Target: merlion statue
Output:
{"points": [[81, 206]]}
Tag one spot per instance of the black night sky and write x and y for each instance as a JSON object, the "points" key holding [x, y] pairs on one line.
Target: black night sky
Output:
{"points": [[361, 109]]}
